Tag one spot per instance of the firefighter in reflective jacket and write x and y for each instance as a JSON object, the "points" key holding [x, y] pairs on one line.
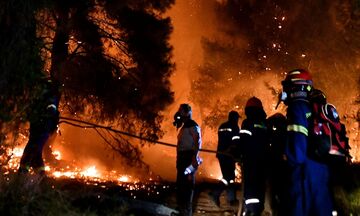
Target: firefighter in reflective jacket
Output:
{"points": [[228, 131], [253, 145], [308, 191], [43, 119], [187, 160]]}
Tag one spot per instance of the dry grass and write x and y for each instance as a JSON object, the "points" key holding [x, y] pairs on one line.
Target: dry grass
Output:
{"points": [[31, 195]]}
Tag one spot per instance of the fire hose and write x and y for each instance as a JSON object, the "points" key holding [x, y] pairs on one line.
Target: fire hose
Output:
{"points": [[86, 124]]}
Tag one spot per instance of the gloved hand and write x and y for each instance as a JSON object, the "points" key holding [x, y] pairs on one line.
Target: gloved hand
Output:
{"points": [[193, 166], [190, 169], [281, 97]]}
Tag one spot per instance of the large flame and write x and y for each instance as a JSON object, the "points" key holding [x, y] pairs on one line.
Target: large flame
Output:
{"points": [[87, 172]]}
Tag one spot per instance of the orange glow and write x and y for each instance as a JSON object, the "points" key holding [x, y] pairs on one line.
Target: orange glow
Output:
{"points": [[83, 152], [90, 172], [17, 152], [124, 179], [57, 154]]}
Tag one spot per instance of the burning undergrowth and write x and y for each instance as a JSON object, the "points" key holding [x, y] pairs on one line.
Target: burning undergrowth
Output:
{"points": [[39, 195], [84, 152], [85, 184]]}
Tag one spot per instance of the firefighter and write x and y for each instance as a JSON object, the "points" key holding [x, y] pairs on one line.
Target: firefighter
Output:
{"points": [[308, 191], [43, 119], [253, 145], [227, 132], [187, 160], [338, 164], [276, 125]]}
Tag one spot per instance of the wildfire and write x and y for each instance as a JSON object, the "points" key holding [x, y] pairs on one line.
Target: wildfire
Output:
{"points": [[17, 152], [91, 175], [123, 179], [91, 172], [57, 154], [88, 173]]}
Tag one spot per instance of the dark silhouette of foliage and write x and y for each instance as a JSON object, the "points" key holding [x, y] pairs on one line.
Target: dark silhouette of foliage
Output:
{"points": [[132, 81], [21, 64], [112, 60]]}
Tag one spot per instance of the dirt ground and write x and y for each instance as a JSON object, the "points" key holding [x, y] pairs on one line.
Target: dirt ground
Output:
{"points": [[204, 206], [151, 199]]}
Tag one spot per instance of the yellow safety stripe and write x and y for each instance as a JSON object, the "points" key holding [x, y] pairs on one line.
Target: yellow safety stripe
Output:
{"points": [[27, 167], [42, 168], [259, 126], [225, 129], [298, 128]]}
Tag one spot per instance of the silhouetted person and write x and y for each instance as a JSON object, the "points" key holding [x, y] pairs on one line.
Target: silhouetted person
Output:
{"points": [[187, 160], [227, 132], [276, 125], [253, 146], [43, 119]]}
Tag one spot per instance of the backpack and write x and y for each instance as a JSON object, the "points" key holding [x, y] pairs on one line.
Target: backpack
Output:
{"points": [[327, 135]]}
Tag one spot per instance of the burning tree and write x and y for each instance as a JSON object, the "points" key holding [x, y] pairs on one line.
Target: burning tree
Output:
{"points": [[257, 41], [111, 58]]}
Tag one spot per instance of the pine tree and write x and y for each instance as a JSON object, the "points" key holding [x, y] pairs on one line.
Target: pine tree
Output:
{"points": [[111, 59]]}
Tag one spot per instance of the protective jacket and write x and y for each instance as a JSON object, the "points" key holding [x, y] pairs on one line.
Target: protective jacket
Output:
{"points": [[254, 141], [228, 132], [44, 118], [276, 125], [308, 179], [189, 142]]}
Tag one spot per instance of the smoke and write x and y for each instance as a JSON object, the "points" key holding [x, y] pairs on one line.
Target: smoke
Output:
{"points": [[83, 148], [227, 51]]}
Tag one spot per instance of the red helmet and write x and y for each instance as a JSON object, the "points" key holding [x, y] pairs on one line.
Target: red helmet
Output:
{"points": [[254, 102], [254, 109], [299, 77], [298, 80]]}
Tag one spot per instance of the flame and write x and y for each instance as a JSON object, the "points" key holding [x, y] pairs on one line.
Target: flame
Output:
{"points": [[57, 154], [17, 152], [90, 172], [123, 179]]}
